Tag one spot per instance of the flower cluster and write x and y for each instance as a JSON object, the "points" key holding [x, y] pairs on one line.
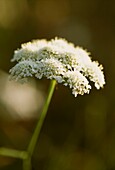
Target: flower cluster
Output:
{"points": [[57, 59]]}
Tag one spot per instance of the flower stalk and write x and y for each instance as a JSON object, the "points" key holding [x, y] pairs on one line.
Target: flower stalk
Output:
{"points": [[41, 119], [13, 153], [33, 141]]}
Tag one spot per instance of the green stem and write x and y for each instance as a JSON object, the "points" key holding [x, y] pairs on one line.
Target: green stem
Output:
{"points": [[27, 163], [33, 141], [36, 133], [13, 153]]}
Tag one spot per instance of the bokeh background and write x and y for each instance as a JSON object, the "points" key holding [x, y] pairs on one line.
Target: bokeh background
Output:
{"points": [[78, 133]]}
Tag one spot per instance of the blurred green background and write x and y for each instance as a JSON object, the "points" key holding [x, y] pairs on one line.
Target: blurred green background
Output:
{"points": [[78, 133]]}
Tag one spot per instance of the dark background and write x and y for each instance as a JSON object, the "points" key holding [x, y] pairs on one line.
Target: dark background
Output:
{"points": [[78, 133]]}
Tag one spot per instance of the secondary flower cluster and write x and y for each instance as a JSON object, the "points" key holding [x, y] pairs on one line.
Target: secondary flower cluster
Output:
{"points": [[57, 59]]}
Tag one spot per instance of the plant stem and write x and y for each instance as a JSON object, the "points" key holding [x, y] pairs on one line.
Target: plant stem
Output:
{"points": [[33, 141], [27, 163], [13, 153]]}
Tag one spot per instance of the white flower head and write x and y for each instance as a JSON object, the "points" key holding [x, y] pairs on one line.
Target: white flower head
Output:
{"points": [[57, 59]]}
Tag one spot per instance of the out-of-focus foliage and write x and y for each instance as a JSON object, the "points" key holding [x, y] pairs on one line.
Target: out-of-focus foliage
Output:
{"points": [[78, 133]]}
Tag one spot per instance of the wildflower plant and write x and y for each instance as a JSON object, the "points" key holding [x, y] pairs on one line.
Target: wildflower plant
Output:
{"points": [[61, 62]]}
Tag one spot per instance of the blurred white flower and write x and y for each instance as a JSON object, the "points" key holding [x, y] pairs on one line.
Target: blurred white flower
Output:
{"points": [[19, 101], [57, 59]]}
